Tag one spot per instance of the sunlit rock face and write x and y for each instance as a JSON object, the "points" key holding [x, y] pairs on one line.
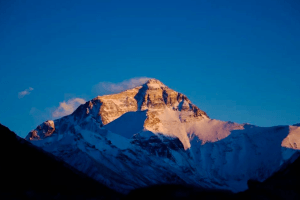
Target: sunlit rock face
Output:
{"points": [[153, 96], [152, 134], [44, 130]]}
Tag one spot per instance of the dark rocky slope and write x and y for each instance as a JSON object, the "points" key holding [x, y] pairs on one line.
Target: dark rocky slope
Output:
{"points": [[28, 172]]}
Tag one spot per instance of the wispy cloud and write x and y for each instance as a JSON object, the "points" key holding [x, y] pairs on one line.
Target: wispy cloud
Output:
{"points": [[50, 113], [66, 108], [25, 92], [109, 88]]}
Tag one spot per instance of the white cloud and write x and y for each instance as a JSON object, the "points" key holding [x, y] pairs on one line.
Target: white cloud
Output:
{"points": [[66, 108], [50, 113], [25, 92], [109, 88]]}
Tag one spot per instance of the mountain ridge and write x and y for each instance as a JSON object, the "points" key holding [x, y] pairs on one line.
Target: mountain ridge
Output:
{"points": [[152, 134], [152, 96]]}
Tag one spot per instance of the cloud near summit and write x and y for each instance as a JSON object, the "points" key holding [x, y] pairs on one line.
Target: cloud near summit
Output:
{"points": [[66, 108], [111, 88], [69, 106]]}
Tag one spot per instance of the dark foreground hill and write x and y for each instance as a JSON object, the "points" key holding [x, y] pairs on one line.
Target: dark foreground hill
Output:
{"points": [[28, 172]]}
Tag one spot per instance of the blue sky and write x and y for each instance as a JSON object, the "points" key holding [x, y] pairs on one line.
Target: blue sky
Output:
{"points": [[237, 60]]}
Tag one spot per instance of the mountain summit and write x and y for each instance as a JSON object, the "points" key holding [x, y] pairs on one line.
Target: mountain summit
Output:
{"points": [[152, 134], [157, 106]]}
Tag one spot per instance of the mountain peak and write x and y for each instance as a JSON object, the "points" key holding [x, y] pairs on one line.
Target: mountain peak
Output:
{"points": [[154, 83], [160, 105], [153, 96], [152, 123], [154, 80]]}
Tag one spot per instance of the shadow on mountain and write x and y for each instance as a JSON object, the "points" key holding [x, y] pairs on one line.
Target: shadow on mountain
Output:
{"points": [[283, 184], [251, 153], [28, 172], [128, 124]]}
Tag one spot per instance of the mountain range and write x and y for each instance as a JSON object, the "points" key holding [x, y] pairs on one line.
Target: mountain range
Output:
{"points": [[151, 135]]}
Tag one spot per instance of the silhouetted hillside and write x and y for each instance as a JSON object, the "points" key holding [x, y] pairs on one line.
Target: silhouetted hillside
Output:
{"points": [[179, 192], [28, 172]]}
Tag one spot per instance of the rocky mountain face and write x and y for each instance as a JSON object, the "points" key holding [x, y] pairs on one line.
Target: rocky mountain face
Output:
{"points": [[152, 134]]}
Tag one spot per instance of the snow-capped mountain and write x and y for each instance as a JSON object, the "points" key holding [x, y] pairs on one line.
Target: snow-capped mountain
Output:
{"points": [[152, 134]]}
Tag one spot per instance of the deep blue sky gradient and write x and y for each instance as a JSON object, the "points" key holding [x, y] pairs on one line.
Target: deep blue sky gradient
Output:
{"points": [[237, 60]]}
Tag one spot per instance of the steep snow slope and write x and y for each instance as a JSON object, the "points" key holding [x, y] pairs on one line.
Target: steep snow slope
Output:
{"points": [[152, 134]]}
